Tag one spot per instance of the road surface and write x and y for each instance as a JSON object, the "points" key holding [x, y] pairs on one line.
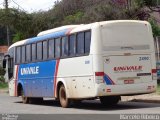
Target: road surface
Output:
{"points": [[13, 105]]}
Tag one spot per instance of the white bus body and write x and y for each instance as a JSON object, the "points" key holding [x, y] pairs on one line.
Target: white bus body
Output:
{"points": [[121, 61]]}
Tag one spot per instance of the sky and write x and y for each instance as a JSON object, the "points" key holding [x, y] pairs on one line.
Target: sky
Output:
{"points": [[29, 5]]}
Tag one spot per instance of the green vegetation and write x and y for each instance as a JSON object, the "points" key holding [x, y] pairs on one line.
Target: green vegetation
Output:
{"points": [[3, 85], [24, 25], [155, 28], [2, 72]]}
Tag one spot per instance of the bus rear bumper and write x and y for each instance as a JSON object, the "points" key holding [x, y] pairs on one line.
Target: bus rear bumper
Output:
{"points": [[127, 89]]}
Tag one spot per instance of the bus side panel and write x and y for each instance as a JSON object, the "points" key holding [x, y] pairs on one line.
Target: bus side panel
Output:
{"points": [[78, 76], [38, 78], [47, 87]]}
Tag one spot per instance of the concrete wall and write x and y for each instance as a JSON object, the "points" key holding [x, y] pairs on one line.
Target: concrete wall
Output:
{"points": [[3, 50]]}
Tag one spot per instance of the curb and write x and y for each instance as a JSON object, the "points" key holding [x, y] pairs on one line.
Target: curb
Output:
{"points": [[4, 91]]}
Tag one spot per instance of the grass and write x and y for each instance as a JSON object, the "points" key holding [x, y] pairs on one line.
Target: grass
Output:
{"points": [[3, 85]]}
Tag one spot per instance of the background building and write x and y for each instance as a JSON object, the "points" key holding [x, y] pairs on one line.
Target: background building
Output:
{"points": [[3, 50]]}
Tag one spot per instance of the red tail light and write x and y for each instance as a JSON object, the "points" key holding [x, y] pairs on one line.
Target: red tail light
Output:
{"points": [[99, 73], [154, 74], [154, 70]]}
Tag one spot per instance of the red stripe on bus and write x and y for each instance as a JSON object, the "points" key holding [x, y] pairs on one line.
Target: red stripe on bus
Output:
{"points": [[55, 77], [68, 32], [15, 90]]}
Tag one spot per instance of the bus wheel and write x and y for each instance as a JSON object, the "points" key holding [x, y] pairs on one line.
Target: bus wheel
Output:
{"points": [[64, 101], [25, 100], [110, 100]]}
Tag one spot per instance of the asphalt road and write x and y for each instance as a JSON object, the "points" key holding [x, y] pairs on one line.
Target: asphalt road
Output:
{"points": [[13, 105]]}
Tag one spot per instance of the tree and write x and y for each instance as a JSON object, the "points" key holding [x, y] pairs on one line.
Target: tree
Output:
{"points": [[155, 27], [24, 25], [17, 20]]}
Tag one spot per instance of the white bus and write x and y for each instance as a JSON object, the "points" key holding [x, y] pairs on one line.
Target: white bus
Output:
{"points": [[103, 60]]}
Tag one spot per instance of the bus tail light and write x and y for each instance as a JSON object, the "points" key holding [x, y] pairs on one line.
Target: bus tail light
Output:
{"points": [[99, 77], [99, 73], [154, 74]]}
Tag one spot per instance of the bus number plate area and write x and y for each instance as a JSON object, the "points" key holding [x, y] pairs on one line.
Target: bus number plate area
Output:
{"points": [[128, 81]]}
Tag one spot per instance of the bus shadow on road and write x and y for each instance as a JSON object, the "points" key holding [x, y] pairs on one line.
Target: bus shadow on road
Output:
{"points": [[44, 103], [96, 105]]}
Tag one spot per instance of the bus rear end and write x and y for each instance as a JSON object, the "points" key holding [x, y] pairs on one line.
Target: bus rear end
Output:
{"points": [[128, 59]]}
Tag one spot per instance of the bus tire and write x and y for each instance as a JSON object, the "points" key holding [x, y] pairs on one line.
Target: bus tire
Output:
{"points": [[25, 99], [64, 101], [109, 100]]}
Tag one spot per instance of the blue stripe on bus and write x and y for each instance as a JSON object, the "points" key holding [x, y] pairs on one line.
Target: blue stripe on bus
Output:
{"points": [[108, 80], [37, 79], [47, 36]]}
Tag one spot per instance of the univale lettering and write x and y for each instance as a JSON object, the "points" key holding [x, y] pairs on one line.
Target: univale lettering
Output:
{"points": [[30, 70], [128, 68]]}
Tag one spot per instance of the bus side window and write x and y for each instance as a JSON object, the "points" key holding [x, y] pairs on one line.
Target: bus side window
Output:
{"points": [[18, 55], [80, 43], [33, 52], [72, 45], [87, 42], [28, 53], [64, 46], [23, 54], [39, 51], [45, 53], [51, 48], [57, 47]]}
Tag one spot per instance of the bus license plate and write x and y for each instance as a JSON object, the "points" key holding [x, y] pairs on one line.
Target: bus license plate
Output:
{"points": [[128, 81]]}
